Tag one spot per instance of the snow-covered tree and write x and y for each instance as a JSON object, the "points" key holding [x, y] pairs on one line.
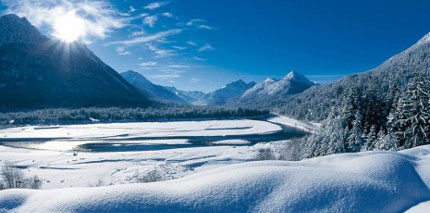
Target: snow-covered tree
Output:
{"points": [[414, 115], [370, 139], [355, 135], [387, 143]]}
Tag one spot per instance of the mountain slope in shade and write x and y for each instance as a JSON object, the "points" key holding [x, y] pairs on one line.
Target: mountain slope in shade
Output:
{"points": [[394, 74], [18, 30], [36, 72], [153, 91], [272, 89]]}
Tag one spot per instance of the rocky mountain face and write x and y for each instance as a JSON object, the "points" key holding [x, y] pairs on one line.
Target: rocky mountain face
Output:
{"points": [[36, 72], [153, 91], [264, 93]]}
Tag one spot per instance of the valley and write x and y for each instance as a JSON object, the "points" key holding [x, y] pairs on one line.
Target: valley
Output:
{"points": [[81, 155]]}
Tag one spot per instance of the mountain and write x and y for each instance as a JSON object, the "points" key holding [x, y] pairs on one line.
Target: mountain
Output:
{"points": [[271, 89], [36, 71], [383, 81], [230, 93], [153, 91], [18, 30], [192, 97]]}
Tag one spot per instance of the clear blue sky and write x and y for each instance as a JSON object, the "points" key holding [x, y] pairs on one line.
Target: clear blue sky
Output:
{"points": [[202, 45]]}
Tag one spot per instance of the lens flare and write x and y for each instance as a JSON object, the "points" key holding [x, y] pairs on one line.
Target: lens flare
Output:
{"points": [[69, 27]]}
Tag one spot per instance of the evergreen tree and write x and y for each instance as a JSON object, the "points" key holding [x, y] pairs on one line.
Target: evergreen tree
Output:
{"points": [[386, 143], [351, 105], [414, 112], [371, 139], [355, 138]]}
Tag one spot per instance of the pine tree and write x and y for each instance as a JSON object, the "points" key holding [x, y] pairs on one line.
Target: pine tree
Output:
{"points": [[371, 139], [355, 138], [351, 105], [415, 113], [386, 143]]}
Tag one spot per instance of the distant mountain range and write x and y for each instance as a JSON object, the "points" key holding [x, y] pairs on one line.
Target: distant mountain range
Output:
{"points": [[262, 94], [36, 71], [230, 93], [240, 93], [153, 91]]}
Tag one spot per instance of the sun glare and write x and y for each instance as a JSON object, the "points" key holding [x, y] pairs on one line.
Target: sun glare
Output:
{"points": [[69, 27]]}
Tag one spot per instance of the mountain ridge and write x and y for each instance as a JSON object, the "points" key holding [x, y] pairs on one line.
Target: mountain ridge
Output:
{"points": [[264, 92], [394, 73], [153, 91], [36, 71]]}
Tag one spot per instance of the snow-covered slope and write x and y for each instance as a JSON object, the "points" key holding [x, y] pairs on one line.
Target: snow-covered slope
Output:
{"points": [[228, 94], [363, 182], [153, 91], [391, 77], [272, 89], [192, 97]]}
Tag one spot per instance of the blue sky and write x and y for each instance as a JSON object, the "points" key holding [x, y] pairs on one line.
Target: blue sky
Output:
{"points": [[202, 45]]}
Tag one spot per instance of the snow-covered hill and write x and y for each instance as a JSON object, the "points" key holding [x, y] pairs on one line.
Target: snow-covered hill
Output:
{"points": [[391, 77], [272, 89], [151, 90], [363, 182]]}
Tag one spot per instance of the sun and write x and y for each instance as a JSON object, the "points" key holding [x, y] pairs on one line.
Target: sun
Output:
{"points": [[69, 27]]}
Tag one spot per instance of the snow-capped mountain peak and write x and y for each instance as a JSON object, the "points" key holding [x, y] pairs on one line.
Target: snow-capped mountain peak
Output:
{"points": [[269, 80], [292, 83], [295, 76]]}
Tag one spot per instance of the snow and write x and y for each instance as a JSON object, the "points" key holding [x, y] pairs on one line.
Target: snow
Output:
{"points": [[302, 125], [147, 129], [363, 182], [231, 142], [210, 178], [423, 207], [83, 169]]}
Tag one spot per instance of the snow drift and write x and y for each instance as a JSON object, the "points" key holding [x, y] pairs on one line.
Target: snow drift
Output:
{"points": [[363, 182]]}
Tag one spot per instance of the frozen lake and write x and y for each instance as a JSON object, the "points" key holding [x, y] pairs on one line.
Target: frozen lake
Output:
{"points": [[148, 136], [114, 153]]}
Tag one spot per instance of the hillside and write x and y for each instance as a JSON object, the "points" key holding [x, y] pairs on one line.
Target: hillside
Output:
{"points": [[36, 71], [394, 74], [151, 90]]}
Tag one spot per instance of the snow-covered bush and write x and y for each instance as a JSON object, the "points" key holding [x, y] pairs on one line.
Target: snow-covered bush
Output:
{"points": [[265, 154], [293, 150], [12, 177], [151, 176]]}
